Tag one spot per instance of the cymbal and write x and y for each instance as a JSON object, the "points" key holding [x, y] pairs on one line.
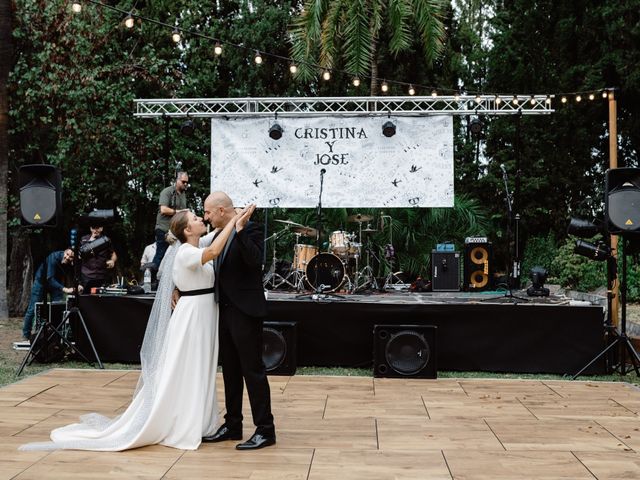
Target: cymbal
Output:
{"points": [[288, 222], [305, 231], [359, 217]]}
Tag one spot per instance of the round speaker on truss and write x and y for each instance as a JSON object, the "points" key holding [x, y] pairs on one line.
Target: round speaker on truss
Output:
{"points": [[274, 349], [407, 352]]}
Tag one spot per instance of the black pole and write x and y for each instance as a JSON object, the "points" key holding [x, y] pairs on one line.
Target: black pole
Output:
{"points": [[166, 151], [319, 210], [516, 202]]}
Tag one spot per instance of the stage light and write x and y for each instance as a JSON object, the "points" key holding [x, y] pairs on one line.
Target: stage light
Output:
{"points": [[356, 82], [478, 99], [548, 100], [412, 91], [257, 58], [389, 129], [595, 251], [129, 21], [293, 68], [275, 131], [498, 100], [76, 7], [515, 100], [604, 94], [175, 36], [584, 228], [434, 93], [538, 276], [384, 87], [217, 49], [476, 126], [187, 128], [533, 100]]}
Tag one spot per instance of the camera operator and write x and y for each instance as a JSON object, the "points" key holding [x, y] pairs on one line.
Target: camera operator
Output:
{"points": [[98, 265], [173, 199], [48, 279]]}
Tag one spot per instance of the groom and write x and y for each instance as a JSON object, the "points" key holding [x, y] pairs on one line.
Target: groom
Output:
{"points": [[240, 296]]}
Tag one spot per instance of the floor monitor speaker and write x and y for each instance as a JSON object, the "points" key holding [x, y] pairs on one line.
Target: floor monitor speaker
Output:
{"points": [[402, 351], [279, 350]]}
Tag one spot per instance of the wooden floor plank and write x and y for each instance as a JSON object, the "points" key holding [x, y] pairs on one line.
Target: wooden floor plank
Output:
{"points": [[611, 466]]}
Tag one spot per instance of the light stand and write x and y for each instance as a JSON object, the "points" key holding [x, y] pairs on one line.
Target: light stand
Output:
{"points": [[621, 339]]}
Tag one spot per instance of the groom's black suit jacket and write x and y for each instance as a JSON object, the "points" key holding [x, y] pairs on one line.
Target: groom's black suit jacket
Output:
{"points": [[240, 274]]}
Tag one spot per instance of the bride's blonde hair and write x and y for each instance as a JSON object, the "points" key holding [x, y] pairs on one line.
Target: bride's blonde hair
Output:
{"points": [[179, 223]]}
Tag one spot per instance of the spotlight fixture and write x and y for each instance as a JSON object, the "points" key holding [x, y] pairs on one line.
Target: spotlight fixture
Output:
{"points": [[76, 7], [538, 276], [584, 228], [384, 87], [476, 126], [326, 75], [293, 68], [412, 91], [275, 131], [129, 22], [187, 128], [257, 58], [217, 49], [389, 128], [595, 251], [356, 82], [175, 36]]}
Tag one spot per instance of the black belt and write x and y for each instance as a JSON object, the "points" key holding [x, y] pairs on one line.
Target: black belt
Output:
{"points": [[202, 291]]}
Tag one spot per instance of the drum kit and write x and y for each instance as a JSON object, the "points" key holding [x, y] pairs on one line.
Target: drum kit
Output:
{"points": [[338, 269]]}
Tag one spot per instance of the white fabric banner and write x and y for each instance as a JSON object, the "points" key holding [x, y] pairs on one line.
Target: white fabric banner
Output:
{"points": [[363, 168]]}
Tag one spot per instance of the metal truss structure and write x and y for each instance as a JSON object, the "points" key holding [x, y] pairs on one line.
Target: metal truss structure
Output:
{"points": [[345, 106]]}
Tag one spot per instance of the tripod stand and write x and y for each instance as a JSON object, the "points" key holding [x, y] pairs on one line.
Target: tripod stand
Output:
{"points": [[272, 278], [621, 339]]}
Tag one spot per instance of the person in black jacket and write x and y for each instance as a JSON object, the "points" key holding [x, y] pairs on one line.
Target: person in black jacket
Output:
{"points": [[240, 297]]}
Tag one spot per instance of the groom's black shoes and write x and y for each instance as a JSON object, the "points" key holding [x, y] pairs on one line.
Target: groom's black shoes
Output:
{"points": [[257, 441], [224, 433]]}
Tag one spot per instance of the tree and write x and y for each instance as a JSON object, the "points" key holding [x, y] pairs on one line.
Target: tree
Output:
{"points": [[6, 56], [345, 32]]}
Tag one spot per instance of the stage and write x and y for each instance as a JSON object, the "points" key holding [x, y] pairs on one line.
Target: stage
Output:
{"points": [[475, 331], [350, 428]]}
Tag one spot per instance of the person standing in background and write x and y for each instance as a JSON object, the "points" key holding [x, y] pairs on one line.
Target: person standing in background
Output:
{"points": [[172, 200]]}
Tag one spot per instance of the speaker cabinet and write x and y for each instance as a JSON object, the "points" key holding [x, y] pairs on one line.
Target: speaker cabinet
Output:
{"points": [[445, 271], [402, 351], [56, 312], [622, 200], [40, 195], [279, 350], [478, 264]]}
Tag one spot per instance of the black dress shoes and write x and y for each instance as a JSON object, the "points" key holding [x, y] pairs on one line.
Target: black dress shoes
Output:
{"points": [[224, 433], [256, 442]]}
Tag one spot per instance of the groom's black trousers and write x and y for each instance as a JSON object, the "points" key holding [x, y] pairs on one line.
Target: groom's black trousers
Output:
{"points": [[241, 355]]}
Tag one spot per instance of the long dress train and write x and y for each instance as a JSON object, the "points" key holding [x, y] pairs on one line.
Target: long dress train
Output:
{"points": [[175, 401]]}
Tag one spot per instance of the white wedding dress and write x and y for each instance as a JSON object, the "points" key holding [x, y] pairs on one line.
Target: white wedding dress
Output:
{"points": [[175, 402]]}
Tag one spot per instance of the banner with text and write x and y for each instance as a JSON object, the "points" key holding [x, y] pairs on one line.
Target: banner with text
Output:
{"points": [[362, 167]]}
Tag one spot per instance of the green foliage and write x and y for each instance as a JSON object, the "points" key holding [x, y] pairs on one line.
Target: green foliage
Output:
{"points": [[540, 251], [577, 272]]}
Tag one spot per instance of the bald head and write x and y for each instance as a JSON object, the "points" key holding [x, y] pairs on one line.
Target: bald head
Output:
{"points": [[218, 209]]}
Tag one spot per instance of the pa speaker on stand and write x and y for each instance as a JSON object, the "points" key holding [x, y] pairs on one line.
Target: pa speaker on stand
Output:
{"points": [[622, 201], [279, 350], [40, 195], [402, 351]]}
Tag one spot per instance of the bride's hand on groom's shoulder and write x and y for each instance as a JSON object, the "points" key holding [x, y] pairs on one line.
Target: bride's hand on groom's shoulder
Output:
{"points": [[243, 217]]}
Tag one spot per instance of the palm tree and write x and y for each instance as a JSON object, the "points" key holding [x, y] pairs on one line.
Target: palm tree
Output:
{"points": [[349, 30]]}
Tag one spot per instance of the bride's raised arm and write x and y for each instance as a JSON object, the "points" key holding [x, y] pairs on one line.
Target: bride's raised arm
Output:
{"points": [[217, 246]]}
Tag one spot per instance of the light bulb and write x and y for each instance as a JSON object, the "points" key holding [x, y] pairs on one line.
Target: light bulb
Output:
{"points": [[76, 7], [591, 96], [548, 100], [563, 99], [532, 101], [326, 75], [356, 82], [412, 91], [129, 21], [384, 87], [478, 99], [217, 49], [258, 58], [578, 98], [515, 100], [498, 100], [175, 36], [293, 68]]}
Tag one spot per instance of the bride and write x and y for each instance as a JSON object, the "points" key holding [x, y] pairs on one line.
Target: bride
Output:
{"points": [[175, 399]]}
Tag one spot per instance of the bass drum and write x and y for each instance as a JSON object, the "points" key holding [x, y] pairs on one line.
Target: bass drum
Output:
{"points": [[325, 272]]}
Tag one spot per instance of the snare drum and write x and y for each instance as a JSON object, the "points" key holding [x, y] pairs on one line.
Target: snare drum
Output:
{"points": [[326, 270], [302, 254], [339, 242]]}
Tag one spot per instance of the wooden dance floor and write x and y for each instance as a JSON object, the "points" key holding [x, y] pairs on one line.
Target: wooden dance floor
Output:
{"points": [[351, 428]]}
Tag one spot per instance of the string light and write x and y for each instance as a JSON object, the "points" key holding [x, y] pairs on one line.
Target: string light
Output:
{"points": [[293, 68], [578, 98], [456, 96], [563, 99], [356, 82], [175, 36], [604, 94], [478, 99], [129, 21], [533, 100], [498, 100], [434, 93], [515, 100], [548, 100], [76, 7], [592, 96], [385, 86], [217, 49], [258, 58], [326, 75], [412, 91]]}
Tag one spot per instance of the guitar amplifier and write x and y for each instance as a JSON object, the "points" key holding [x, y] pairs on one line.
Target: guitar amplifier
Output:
{"points": [[445, 271]]}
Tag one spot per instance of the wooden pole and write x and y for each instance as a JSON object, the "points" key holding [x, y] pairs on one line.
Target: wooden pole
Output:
{"points": [[613, 163]]}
